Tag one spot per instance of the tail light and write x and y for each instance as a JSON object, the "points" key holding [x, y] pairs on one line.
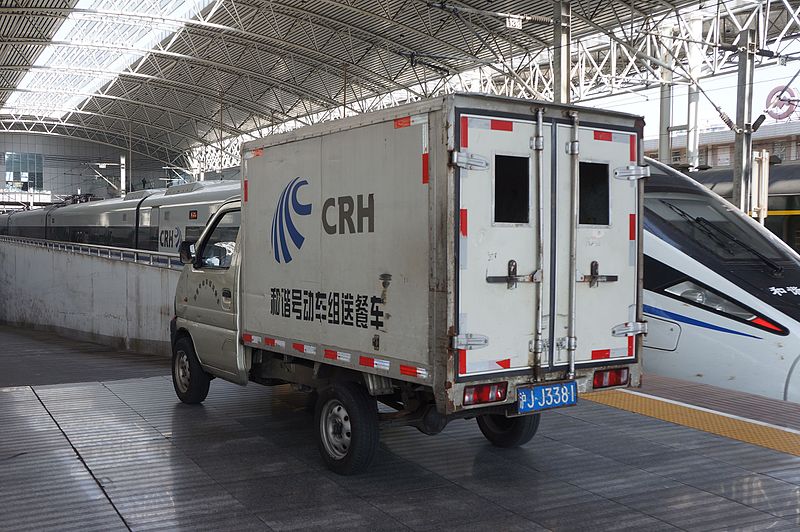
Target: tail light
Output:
{"points": [[485, 393], [610, 377]]}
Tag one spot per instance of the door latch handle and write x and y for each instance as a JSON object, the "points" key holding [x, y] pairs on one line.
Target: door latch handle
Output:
{"points": [[594, 277], [226, 293], [513, 278]]}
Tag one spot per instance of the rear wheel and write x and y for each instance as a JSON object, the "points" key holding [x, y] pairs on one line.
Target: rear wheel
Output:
{"points": [[505, 431], [346, 417], [188, 377]]}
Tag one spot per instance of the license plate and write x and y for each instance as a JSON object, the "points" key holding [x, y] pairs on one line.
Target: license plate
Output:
{"points": [[546, 396]]}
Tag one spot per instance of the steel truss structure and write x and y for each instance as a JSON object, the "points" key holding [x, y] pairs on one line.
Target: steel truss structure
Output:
{"points": [[185, 82]]}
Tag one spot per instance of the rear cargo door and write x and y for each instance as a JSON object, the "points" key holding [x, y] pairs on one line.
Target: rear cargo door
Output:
{"points": [[497, 245], [606, 244]]}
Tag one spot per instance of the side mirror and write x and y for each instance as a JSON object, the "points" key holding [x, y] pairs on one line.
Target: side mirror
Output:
{"points": [[186, 251]]}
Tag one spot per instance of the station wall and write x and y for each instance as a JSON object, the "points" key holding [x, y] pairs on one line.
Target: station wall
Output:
{"points": [[67, 164], [121, 304]]}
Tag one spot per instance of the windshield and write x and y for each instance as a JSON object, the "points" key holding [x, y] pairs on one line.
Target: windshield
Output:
{"points": [[675, 202]]}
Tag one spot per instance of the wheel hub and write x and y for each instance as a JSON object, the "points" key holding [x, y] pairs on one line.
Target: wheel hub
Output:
{"points": [[336, 429], [182, 373]]}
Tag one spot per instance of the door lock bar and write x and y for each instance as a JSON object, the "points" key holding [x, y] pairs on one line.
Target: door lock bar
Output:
{"points": [[594, 277], [513, 278]]}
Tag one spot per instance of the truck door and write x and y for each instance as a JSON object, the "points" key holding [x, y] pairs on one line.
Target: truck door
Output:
{"points": [[211, 294], [606, 257], [497, 245]]}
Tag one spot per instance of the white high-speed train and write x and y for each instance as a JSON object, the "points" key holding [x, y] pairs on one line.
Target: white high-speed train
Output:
{"points": [[722, 293]]}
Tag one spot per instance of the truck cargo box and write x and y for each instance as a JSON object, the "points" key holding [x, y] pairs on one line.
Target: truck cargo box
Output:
{"points": [[457, 241]]}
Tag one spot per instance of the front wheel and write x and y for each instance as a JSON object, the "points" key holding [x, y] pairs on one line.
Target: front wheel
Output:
{"points": [[505, 431], [188, 377], [346, 417]]}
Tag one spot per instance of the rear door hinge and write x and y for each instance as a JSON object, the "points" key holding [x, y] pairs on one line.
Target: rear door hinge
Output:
{"points": [[631, 328], [632, 172], [470, 341], [468, 161]]}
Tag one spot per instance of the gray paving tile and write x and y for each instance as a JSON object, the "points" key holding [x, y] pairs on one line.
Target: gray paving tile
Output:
{"points": [[341, 515], [693, 509], [439, 506]]}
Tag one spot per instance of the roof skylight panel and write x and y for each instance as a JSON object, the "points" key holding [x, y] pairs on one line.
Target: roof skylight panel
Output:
{"points": [[100, 37]]}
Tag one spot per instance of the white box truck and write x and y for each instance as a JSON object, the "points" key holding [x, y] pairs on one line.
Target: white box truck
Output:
{"points": [[461, 257]]}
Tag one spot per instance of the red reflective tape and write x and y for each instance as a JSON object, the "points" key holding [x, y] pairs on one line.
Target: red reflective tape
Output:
{"points": [[462, 361], [464, 131], [502, 125], [366, 361], [245, 190], [247, 337], [425, 171], [633, 147], [601, 353], [462, 223], [411, 371], [330, 353], [505, 363], [402, 122], [632, 227], [603, 135], [298, 347], [630, 346]]}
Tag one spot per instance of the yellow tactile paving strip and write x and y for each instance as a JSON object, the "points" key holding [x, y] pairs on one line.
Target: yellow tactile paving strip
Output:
{"points": [[736, 429]]}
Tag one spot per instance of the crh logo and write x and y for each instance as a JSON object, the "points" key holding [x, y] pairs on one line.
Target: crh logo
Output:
{"points": [[170, 238], [283, 224]]}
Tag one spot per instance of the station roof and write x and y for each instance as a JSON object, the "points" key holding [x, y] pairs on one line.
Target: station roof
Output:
{"points": [[161, 77]]}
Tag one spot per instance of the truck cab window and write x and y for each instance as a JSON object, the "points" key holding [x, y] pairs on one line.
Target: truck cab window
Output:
{"points": [[219, 247]]}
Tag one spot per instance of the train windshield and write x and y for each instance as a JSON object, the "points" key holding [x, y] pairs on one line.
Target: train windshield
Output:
{"points": [[694, 216]]}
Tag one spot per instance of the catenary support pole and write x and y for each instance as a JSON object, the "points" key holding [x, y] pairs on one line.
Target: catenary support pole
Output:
{"points": [[562, 63], [743, 147], [665, 107], [695, 63]]}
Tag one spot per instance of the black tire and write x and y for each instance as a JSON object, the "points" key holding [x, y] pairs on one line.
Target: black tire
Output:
{"points": [[346, 417], [507, 432], [190, 381]]}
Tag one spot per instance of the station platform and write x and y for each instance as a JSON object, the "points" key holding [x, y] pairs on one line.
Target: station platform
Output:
{"points": [[93, 439]]}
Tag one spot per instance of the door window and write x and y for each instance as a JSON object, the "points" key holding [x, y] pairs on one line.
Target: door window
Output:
{"points": [[511, 189], [219, 247], [593, 208]]}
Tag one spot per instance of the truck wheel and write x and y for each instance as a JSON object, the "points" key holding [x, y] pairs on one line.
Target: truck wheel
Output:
{"points": [[505, 431], [346, 417], [188, 378]]}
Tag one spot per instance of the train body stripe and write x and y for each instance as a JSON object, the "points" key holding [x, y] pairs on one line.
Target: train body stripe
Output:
{"points": [[691, 321]]}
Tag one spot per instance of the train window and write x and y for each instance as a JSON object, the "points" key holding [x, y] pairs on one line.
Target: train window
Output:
{"points": [[218, 249], [593, 182], [712, 224], [511, 189], [193, 232]]}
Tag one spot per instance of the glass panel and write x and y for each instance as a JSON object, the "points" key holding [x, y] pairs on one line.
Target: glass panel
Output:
{"points": [[218, 249], [593, 194], [511, 189]]}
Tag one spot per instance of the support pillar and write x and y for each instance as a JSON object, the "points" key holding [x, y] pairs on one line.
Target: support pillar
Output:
{"points": [[695, 64], [743, 148], [122, 181], [665, 109], [562, 15]]}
